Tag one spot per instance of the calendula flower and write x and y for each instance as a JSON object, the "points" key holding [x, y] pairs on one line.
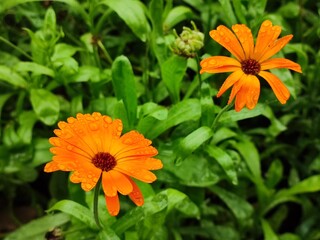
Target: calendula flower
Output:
{"points": [[250, 61], [91, 146]]}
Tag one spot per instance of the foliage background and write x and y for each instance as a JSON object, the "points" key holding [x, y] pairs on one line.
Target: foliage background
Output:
{"points": [[254, 175]]}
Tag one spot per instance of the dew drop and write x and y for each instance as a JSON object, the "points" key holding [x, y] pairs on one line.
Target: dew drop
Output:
{"points": [[107, 119], [69, 147], [93, 126], [213, 62], [66, 135], [227, 40], [55, 142]]}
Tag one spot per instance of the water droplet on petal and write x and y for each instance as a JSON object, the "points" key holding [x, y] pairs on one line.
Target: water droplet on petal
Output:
{"points": [[93, 126], [227, 40], [107, 119], [69, 147]]}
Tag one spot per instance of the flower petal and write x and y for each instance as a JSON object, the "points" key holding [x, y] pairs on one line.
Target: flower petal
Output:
{"points": [[113, 204], [108, 186], [280, 63], [244, 35], [280, 90], [249, 93], [225, 37], [132, 145], [275, 47], [232, 79], [121, 182], [146, 163], [236, 87], [51, 167], [87, 174], [138, 173], [136, 195], [266, 37], [218, 64]]}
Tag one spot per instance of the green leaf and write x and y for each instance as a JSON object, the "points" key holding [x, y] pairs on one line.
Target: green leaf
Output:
{"points": [[33, 67], [11, 77], [311, 184], [63, 50], [189, 109], [108, 234], [233, 116], [46, 105], [268, 232], [135, 18], [241, 209], [173, 70], [36, 229], [229, 15], [76, 210], [274, 174], [224, 160], [177, 15], [26, 120], [124, 86], [191, 142], [251, 156]]}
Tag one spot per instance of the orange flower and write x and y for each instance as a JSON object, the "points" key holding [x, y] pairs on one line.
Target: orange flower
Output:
{"points": [[91, 147], [250, 61]]}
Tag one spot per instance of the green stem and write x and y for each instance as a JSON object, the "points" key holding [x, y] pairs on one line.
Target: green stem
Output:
{"points": [[223, 110], [95, 202], [15, 47], [198, 72], [105, 52]]}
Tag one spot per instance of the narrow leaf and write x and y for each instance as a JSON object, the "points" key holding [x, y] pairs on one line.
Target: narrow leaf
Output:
{"points": [[124, 86], [132, 13], [11, 77], [224, 160]]}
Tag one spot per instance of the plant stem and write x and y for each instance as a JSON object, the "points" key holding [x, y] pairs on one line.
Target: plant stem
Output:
{"points": [[96, 201], [223, 110], [16, 48]]}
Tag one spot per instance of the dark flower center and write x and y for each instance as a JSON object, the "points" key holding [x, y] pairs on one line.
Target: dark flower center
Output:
{"points": [[250, 66], [104, 161]]}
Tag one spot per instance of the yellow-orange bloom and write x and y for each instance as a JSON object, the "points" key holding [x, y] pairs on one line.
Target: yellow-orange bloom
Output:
{"points": [[250, 60], [91, 146]]}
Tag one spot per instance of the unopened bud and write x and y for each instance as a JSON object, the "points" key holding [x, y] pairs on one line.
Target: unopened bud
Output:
{"points": [[189, 42]]}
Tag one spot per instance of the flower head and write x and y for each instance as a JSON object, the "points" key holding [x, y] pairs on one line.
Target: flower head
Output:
{"points": [[250, 61], [91, 146]]}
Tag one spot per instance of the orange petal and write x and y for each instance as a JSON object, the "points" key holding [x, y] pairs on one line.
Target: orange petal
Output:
{"points": [[108, 185], [218, 64], [51, 167], [244, 35], [87, 174], [138, 173], [121, 182], [280, 63], [132, 145], [249, 93], [228, 40], [276, 47], [232, 79], [279, 89], [236, 87], [113, 204], [146, 163], [136, 195], [266, 36]]}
